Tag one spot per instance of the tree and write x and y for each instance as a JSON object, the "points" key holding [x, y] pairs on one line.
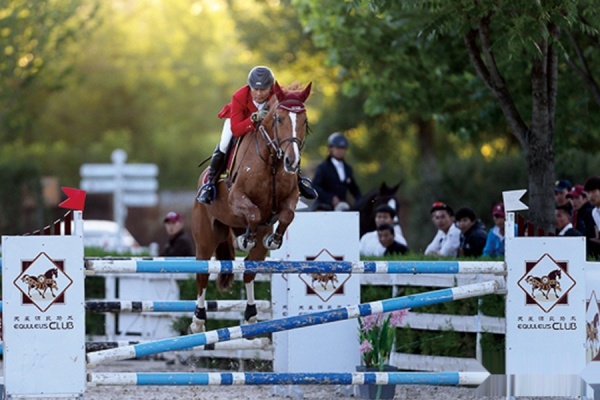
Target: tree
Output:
{"points": [[510, 45], [33, 36]]}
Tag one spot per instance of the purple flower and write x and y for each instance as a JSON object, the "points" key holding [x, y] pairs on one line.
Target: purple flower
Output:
{"points": [[396, 317], [365, 347]]}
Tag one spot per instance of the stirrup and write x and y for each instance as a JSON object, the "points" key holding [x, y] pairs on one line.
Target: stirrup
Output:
{"points": [[207, 193], [306, 189]]}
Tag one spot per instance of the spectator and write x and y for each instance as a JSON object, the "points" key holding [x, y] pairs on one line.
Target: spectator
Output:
{"points": [[178, 245], [562, 187], [387, 241], [369, 242], [447, 239], [592, 187], [473, 235], [334, 178], [562, 222], [494, 245], [582, 219]]}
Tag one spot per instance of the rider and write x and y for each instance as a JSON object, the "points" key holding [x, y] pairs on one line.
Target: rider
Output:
{"points": [[247, 109], [334, 177]]}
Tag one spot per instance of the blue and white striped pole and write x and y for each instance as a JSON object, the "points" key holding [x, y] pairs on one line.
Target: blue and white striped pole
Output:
{"points": [[191, 265], [300, 321], [270, 378], [101, 306]]}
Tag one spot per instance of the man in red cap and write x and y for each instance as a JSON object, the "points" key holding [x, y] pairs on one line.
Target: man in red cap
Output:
{"points": [[582, 211], [178, 244]]}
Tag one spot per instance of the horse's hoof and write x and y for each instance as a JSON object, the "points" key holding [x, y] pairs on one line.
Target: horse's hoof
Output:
{"points": [[244, 244], [250, 315], [197, 326], [271, 243]]}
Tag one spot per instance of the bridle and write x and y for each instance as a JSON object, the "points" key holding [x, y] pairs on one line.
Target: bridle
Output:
{"points": [[277, 146]]}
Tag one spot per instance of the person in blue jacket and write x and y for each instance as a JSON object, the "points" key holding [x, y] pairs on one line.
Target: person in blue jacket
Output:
{"points": [[494, 245]]}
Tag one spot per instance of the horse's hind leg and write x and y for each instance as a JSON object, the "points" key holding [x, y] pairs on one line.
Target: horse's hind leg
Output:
{"points": [[206, 242], [199, 318]]}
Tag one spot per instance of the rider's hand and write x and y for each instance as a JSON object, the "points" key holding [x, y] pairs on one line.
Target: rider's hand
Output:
{"points": [[258, 116]]}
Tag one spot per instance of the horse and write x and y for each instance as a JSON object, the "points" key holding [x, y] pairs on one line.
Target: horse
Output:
{"points": [[49, 279], [367, 204], [262, 189], [324, 279]]}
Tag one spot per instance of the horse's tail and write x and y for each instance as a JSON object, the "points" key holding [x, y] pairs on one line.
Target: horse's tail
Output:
{"points": [[224, 282], [225, 251]]}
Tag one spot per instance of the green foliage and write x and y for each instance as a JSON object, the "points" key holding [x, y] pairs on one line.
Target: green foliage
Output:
{"points": [[20, 195]]}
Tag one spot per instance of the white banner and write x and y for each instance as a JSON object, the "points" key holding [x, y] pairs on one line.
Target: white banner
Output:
{"points": [[545, 316], [43, 316]]}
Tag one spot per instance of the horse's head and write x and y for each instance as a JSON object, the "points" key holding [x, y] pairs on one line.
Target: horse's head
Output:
{"points": [[288, 124], [375, 197]]}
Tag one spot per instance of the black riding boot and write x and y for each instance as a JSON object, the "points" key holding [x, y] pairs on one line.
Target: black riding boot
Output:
{"points": [[208, 191], [306, 188]]}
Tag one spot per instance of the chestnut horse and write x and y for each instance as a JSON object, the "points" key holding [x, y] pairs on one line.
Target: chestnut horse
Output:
{"points": [[262, 189]]}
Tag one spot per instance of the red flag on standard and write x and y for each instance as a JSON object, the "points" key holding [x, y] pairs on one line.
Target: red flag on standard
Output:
{"points": [[75, 199]]}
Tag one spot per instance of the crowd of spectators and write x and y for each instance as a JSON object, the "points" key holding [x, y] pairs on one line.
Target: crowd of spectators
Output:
{"points": [[463, 234]]}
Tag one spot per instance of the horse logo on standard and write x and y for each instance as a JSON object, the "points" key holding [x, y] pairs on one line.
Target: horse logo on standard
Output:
{"points": [[546, 283], [42, 282], [324, 285]]}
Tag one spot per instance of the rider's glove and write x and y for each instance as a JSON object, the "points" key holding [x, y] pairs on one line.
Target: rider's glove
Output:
{"points": [[258, 116]]}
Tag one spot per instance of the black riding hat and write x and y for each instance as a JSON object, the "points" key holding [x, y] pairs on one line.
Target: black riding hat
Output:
{"points": [[261, 78], [336, 139]]}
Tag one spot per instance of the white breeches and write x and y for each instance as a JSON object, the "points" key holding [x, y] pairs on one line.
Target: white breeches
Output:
{"points": [[226, 136]]}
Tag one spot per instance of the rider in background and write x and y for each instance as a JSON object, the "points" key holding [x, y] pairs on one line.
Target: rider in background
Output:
{"points": [[245, 112], [334, 178]]}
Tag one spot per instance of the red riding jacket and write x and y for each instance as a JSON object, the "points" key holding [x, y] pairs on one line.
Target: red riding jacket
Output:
{"points": [[239, 110]]}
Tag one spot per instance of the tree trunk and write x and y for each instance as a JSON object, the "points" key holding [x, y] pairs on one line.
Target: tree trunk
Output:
{"points": [[536, 140]]}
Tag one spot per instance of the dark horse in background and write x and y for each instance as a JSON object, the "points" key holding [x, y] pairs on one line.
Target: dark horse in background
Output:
{"points": [[262, 189], [369, 202]]}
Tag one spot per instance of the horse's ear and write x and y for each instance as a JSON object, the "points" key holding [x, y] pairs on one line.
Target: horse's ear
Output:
{"points": [[305, 93], [278, 91]]}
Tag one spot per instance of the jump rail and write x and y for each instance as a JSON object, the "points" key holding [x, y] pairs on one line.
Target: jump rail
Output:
{"points": [[300, 321], [191, 265], [239, 344], [268, 378], [101, 306]]}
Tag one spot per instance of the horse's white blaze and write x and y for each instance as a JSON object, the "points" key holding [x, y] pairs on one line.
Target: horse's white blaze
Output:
{"points": [[293, 117]]}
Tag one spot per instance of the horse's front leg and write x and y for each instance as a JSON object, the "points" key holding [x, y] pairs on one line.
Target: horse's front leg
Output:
{"points": [[257, 253], [199, 318], [274, 240], [251, 314], [241, 205]]}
